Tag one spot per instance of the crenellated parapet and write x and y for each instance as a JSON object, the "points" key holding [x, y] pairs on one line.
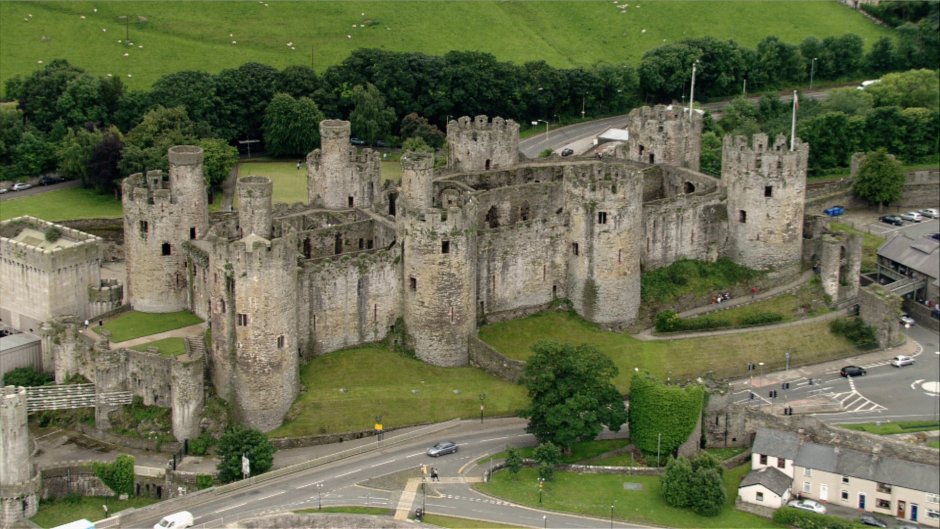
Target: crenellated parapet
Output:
{"points": [[479, 144], [339, 176], [664, 135]]}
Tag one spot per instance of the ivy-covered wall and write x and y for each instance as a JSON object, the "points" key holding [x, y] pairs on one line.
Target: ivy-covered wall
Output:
{"points": [[663, 414]]}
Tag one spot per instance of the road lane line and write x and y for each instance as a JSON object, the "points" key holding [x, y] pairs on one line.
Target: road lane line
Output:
{"points": [[312, 483], [230, 507], [348, 473]]}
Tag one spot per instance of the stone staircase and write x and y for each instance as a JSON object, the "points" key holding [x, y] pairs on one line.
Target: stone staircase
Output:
{"points": [[196, 347]]}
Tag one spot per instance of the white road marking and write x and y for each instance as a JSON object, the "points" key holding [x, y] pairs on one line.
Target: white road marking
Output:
{"points": [[230, 507], [312, 483], [348, 473], [270, 495]]}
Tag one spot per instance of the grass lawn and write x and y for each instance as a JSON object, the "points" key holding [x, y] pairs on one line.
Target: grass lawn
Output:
{"points": [[61, 512], [174, 36], [593, 494], [870, 244], [724, 454], [580, 452], [62, 204], [130, 325], [890, 428], [290, 184], [720, 356], [345, 391], [167, 346], [788, 305]]}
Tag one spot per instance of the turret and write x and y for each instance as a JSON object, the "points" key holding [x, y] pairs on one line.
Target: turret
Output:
{"points": [[766, 186], [19, 480], [254, 205], [340, 176], [482, 145], [417, 173], [664, 135]]}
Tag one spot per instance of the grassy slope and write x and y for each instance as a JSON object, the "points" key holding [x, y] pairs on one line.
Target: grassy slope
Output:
{"points": [[195, 35], [130, 325], [62, 204], [724, 356]]}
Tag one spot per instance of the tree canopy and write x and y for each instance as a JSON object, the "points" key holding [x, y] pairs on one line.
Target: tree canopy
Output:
{"points": [[880, 179], [291, 126], [239, 441], [571, 394]]}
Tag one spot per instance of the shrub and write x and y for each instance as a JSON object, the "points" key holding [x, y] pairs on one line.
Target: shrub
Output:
{"points": [[662, 416], [239, 441], [761, 318], [669, 321], [204, 481], [53, 234], [676, 481], [200, 445], [26, 377], [513, 460], [856, 331], [709, 496], [119, 475], [810, 520], [684, 276]]}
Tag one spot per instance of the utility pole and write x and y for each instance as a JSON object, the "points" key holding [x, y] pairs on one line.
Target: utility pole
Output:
{"points": [[692, 91]]}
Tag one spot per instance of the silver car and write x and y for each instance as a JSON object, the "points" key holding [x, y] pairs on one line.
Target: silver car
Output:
{"points": [[443, 448], [808, 505]]}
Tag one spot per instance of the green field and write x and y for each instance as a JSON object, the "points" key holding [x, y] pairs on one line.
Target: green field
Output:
{"points": [[62, 204], [130, 325], [166, 347], [53, 513], [199, 35]]}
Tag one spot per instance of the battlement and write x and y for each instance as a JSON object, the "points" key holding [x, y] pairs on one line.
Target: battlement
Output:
{"points": [[12, 397], [601, 178], [335, 130], [417, 161], [663, 114], [482, 123], [255, 187], [757, 157], [185, 155], [24, 241], [482, 145], [759, 143], [145, 190]]}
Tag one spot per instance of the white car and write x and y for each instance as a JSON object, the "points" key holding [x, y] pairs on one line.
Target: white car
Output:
{"points": [[912, 216], [907, 321], [808, 505], [902, 360], [177, 520], [929, 213], [20, 186], [3, 190]]}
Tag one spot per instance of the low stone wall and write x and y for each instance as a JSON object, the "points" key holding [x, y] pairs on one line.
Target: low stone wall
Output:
{"points": [[493, 362], [316, 440], [760, 510], [321, 521], [922, 314], [167, 447], [737, 460], [596, 469], [72, 477]]}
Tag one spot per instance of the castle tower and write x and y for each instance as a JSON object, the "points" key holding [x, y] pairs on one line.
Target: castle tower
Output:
{"points": [[254, 205], [19, 480], [766, 186], [605, 235], [482, 145], [664, 135], [439, 291], [255, 362], [159, 216], [417, 173], [340, 176]]}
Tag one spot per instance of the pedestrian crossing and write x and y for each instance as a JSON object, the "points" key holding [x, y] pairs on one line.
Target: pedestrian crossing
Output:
{"points": [[488, 501], [851, 401]]}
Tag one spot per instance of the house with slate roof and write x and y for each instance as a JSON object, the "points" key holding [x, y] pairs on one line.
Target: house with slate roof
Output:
{"points": [[865, 481]]}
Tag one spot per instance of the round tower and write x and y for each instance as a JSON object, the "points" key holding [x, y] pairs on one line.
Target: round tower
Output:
{"points": [[605, 235], [482, 145], [664, 135], [254, 205], [766, 186], [417, 173], [326, 166], [19, 480], [188, 186], [439, 291]]}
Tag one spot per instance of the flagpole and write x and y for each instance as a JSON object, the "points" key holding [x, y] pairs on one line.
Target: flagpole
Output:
{"points": [[692, 91], [793, 124]]}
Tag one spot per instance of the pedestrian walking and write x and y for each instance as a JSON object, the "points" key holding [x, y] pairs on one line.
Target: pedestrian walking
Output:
{"points": [[86, 323], [298, 166], [753, 292], [434, 476]]}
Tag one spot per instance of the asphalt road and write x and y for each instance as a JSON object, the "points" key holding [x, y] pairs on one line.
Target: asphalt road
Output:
{"points": [[36, 189]]}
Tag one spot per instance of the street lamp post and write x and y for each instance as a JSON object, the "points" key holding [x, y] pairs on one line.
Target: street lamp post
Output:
{"points": [[611, 516], [482, 398], [761, 364], [535, 124], [582, 106], [541, 486], [812, 72], [424, 494], [545, 521], [320, 496]]}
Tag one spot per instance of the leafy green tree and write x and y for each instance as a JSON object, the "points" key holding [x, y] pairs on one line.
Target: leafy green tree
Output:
{"points": [[218, 160], [193, 90], [291, 126], [81, 102], [298, 81], [704, 460], [513, 460], [33, 155], [146, 144], [915, 88], [74, 152], [11, 130], [849, 101], [112, 96], [103, 166], [415, 145], [548, 455], [922, 128], [884, 128], [834, 137], [774, 62], [39, 93], [880, 179], [239, 441], [676, 482], [709, 496], [416, 126], [370, 119], [26, 377], [244, 94], [710, 154], [117, 475], [571, 395], [881, 58]]}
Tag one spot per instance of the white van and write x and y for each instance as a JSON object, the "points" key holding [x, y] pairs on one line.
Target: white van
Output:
{"points": [[77, 524], [177, 520], [901, 360]]}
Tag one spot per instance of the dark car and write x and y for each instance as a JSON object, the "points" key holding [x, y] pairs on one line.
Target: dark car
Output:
{"points": [[892, 219], [442, 448], [852, 371], [872, 521], [356, 141], [567, 152], [935, 236], [49, 180], [835, 211]]}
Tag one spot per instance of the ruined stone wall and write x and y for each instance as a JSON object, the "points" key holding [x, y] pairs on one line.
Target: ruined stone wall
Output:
{"points": [[840, 261], [664, 135], [766, 186], [254, 205], [482, 145], [149, 376], [339, 175], [532, 172], [882, 310], [72, 477], [417, 174], [605, 235], [344, 239], [18, 478], [187, 392], [439, 274], [493, 362], [349, 300]]}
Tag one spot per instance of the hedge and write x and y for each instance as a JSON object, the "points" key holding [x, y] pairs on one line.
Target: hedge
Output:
{"points": [[660, 409], [810, 520]]}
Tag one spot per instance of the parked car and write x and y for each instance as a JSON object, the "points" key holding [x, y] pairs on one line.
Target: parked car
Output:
{"points": [[852, 371], [872, 521], [20, 186], [567, 152], [356, 141], [912, 216], [902, 360], [929, 213], [49, 180], [907, 321], [834, 211], [892, 219], [935, 236], [808, 505], [3, 190], [177, 520], [443, 448]]}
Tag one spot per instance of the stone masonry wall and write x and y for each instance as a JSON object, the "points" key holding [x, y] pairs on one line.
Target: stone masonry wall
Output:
{"points": [[882, 310], [482, 145]]}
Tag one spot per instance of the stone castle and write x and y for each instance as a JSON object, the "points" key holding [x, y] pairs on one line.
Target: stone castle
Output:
{"points": [[490, 236]]}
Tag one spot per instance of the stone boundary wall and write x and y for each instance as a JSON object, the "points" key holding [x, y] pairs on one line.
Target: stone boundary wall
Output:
{"points": [[72, 477], [737, 460], [492, 361], [597, 469], [167, 447], [922, 314], [759, 510], [316, 440]]}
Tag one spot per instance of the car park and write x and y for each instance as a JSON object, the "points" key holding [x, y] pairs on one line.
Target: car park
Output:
{"points": [[892, 219], [902, 360], [930, 213], [808, 505], [834, 211], [912, 216], [20, 186], [49, 180], [871, 521], [567, 152], [443, 448], [907, 321], [852, 371]]}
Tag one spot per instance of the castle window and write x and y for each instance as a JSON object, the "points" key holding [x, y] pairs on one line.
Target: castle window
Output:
{"points": [[413, 284], [165, 249], [222, 306], [144, 228], [351, 201], [392, 197], [689, 188], [230, 285], [369, 244], [487, 165], [524, 211], [543, 272], [768, 191], [602, 217], [242, 320], [492, 217], [307, 248], [338, 244], [362, 244], [574, 248], [780, 165], [652, 158], [452, 314], [445, 246], [619, 256], [375, 313], [760, 163], [742, 216], [192, 232], [280, 342]]}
